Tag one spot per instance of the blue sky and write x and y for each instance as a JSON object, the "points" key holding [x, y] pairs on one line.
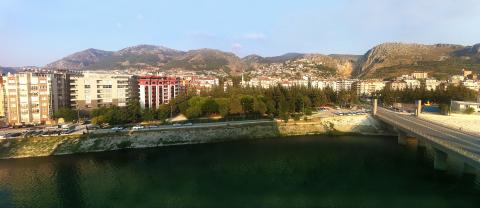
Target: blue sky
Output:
{"points": [[36, 32]]}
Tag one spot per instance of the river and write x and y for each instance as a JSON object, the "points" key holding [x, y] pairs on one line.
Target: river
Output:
{"points": [[305, 171]]}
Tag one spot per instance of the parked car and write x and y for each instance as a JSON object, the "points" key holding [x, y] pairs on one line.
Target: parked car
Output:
{"points": [[136, 128], [188, 124], [117, 128], [177, 124]]}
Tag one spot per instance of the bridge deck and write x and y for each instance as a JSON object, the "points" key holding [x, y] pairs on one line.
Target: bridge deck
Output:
{"points": [[463, 143]]}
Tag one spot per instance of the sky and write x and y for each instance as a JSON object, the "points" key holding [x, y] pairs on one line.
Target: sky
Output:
{"points": [[35, 33]]}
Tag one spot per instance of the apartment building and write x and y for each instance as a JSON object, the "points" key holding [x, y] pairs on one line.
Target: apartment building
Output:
{"points": [[368, 87], [396, 85], [413, 83], [3, 106], [431, 84], [419, 75], [345, 84], [94, 90], [33, 97], [471, 84], [157, 90]]}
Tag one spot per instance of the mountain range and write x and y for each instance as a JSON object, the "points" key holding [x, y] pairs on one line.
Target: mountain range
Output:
{"points": [[383, 61]]}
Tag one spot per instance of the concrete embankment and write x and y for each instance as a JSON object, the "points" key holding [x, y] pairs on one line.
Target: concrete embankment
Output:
{"points": [[60, 145]]}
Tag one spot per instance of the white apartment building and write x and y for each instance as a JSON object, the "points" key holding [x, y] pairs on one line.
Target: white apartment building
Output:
{"points": [[471, 84], [456, 79], [431, 84], [94, 90], [412, 83], [33, 97], [158, 90], [368, 87], [320, 84], [345, 84]]}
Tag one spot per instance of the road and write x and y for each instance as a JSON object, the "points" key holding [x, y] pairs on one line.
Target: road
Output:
{"points": [[468, 142], [196, 125]]}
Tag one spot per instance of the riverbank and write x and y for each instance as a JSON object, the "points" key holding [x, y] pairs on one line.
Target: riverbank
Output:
{"points": [[61, 145]]}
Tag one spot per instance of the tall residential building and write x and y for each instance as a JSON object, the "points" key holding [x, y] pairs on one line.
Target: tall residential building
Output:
{"points": [[157, 90], [2, 98], [368, 87], [94, 90], [32, 97]]}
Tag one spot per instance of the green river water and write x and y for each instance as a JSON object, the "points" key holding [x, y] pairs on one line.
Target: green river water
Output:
{"points": [[305, 171]]}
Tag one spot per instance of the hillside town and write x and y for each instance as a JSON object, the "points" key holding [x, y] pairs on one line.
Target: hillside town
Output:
{"points": [[32, 96]]}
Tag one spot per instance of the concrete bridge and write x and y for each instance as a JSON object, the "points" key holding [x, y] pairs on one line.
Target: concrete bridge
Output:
{"points": [[452, 150]]}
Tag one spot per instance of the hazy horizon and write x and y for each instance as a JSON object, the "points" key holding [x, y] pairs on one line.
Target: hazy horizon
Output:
{"points": [[37, 33]]}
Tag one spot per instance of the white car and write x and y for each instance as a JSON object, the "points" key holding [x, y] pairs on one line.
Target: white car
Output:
{"points": [[137, 128]]}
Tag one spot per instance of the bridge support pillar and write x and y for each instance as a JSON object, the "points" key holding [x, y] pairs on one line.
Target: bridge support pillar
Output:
{"points": [[402, 138], [469, 170], [440, 160], [455, 166], [418, 109], [420, 142], [375, 106], [477, 180]]}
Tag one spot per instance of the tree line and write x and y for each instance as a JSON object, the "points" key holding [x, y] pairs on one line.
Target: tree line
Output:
{"points": [[439, 96], [275, 102]]}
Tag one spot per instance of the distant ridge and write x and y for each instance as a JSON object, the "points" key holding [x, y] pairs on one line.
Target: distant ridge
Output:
{"points": [[382, 61]]}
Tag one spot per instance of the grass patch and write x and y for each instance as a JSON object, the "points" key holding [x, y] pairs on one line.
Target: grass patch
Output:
{"points": [[124, 144]]}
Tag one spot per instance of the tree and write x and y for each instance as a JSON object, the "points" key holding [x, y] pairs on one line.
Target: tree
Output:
{"points": [[134, 111], [235, 106], [98, 120], [223, 106], [67, 114], [194, 109], [163, 112], [247, 104], [209, 107], [148, 115], [259, 106]]}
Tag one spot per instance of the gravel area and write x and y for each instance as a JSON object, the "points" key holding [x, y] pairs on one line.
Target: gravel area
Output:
{"points": [[467, 123]]}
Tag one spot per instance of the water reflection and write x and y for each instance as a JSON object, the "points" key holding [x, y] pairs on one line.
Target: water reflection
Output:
{"points": [[293, 172], [67, 184]]}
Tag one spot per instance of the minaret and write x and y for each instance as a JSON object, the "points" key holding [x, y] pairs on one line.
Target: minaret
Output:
{"points": [[243, 82]]}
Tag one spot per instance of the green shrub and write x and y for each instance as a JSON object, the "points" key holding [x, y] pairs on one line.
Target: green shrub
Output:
{"points": [[124, 144], [469, 110]]}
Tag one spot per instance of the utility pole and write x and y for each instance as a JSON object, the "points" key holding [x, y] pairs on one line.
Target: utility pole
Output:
{"points": [[171, 112], [78, 116]]}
